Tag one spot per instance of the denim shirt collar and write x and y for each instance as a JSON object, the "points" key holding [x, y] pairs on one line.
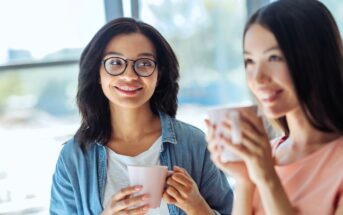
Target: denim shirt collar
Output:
{"points": [[168, 131]]}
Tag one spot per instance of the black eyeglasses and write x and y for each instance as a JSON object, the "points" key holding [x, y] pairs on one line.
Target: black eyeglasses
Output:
{"points": [[143, 67]]}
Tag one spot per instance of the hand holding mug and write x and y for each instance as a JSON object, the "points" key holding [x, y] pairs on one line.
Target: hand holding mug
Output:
{"points": [[235, 169], [152, 179], [254, 148], [125, 203], [183, 192]]}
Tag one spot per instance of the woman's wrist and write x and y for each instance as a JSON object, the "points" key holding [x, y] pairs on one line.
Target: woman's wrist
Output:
{"points": [[274, 196], [268, 180], [202, 208], [243, 197]]}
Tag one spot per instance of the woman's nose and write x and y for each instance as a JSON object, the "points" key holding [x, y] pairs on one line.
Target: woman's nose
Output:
{"points": [[129, 72], [260, 74]]}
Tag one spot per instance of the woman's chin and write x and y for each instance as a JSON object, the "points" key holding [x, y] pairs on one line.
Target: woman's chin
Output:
{"points": [[273, 114]]}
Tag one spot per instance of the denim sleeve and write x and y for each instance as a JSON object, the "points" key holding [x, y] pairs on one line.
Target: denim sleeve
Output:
{"points": [[62, 196], [216, 212], [215, 187]]}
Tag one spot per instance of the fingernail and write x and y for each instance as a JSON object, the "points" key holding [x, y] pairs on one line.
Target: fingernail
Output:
{"points": [[138, 187], [145, 208]]}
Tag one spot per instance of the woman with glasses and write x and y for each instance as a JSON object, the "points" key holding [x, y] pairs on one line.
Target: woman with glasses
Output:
{"points": [[294, 66], [127, 97]]}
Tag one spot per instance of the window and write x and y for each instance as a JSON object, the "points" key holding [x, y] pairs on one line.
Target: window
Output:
{"points": [[40, 45], [42, 30], [336, 8], [206, 36]]}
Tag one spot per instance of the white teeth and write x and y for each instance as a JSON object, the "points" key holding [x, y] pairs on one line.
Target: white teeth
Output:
{"points": [[127, 88], [268, 96]]}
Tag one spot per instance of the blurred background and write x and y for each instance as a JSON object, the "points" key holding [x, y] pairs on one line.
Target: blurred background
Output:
{"points": [[40, 45]]}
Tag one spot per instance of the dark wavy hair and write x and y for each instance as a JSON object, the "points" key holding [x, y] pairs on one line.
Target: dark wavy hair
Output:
{"points": [[310, 40], [91, 101]]}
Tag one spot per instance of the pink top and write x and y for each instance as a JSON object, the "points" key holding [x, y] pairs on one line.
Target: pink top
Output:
{"points": [[314, 184]]}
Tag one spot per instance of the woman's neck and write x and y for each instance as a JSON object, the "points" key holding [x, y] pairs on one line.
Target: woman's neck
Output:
{"points": [[303, 133], [129, 125], [304, 139]]}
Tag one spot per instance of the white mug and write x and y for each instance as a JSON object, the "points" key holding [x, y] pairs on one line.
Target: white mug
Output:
{"points": [[217, 116]]}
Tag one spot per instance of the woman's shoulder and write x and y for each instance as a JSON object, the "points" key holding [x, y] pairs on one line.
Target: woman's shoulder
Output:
{"points": [[185, 134], [188, 136], [187, 129], [338, 148], [72, 149]]}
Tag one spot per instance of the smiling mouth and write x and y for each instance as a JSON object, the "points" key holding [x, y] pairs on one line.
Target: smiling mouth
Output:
{"points": [[270, 97], [128, 90]]}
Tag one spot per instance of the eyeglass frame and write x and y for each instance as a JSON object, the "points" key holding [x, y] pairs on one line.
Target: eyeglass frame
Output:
{"points": [[127, 63]]}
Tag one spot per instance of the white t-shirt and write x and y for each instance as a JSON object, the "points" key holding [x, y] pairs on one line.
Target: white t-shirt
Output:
{"points": [[117, 173]]}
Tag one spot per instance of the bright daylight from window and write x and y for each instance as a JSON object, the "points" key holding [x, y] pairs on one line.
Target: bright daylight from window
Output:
{"points": [[40, 45]]}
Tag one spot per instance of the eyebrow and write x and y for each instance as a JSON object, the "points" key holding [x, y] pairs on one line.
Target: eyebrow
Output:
{"points": [[265, 51], [144, 54]]}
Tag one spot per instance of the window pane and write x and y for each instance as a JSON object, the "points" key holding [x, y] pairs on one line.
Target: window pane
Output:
{"points": [[336, 8], [37, 114], [37, 104], [207, 38], [47, 29]]}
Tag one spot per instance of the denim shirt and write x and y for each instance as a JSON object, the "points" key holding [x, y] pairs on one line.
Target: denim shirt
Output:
{"points": [[79, 179]]}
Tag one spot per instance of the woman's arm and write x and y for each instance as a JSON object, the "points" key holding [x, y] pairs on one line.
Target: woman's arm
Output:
{"points": [[273, 196], [255, 151], [243, 198], [62, 196], [183, 192]]}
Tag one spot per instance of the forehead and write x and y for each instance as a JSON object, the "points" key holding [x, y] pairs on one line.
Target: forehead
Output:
{"points": [[258, 37], [130, 45]]}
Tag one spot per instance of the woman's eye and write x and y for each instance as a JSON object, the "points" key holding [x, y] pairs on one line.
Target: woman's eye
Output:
{"points": [[275, 58], [116, 62], [248, 61], [145, 63]]}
